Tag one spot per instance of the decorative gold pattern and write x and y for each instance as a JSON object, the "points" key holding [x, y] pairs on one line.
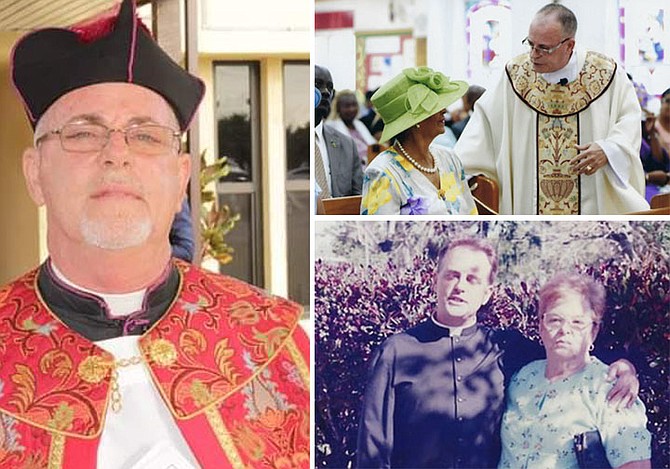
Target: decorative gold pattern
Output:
{"points": [[56, 369], [56, 451], [224, 438], [162, 352], [62, 417], [558, 100], [235, 369], [558, 106], [293, 350], [93, 369], [115, 397], [214, 355], [559, 187], [53, 379]]}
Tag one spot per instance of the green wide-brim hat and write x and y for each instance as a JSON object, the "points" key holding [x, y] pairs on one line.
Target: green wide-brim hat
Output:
{"points": [[412, 96]]}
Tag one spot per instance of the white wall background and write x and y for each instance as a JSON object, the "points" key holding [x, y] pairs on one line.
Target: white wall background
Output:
{"points": [[274, 27]]}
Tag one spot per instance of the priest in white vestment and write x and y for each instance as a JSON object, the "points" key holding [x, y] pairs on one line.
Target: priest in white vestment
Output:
{"points": [[560, 132]]}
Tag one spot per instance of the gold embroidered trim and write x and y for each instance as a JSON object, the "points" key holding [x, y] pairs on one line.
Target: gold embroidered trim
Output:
{"points": [[56, 451], [116, 400], [558, 100], [29, 281], [293, 350], [558, 108], [240, 385], [224, 438], [93, 369], [162, 352], [558, 191]]}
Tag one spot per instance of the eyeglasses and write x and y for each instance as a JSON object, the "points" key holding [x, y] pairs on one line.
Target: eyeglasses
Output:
{"points": [[554, 323], [543, 50], [148, 139]]}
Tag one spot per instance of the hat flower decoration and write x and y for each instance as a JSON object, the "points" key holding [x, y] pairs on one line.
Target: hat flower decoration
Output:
{"points": [[414, 95]]}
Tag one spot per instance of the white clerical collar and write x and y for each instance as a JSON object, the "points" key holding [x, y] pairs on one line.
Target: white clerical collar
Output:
{"points": [[569, 71], [453, 331], [121, 304]]}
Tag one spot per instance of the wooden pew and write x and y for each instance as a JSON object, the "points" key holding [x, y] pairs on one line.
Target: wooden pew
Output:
{"points": [[343, 205]]}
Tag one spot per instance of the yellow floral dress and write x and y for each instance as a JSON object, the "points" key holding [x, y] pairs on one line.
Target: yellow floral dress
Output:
{"points": [[393, 186]]}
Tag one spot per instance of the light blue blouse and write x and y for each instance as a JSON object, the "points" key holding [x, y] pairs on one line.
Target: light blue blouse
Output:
{"points": [[542, 418]]}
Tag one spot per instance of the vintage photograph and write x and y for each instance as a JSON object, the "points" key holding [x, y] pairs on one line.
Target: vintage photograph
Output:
{"points": [[491, 343]]}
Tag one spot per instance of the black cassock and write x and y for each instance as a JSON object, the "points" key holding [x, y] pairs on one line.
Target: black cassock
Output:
{"points": [[435, 400]]}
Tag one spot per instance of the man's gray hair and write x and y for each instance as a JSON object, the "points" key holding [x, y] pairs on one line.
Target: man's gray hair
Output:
{"points": [[564, 15]]}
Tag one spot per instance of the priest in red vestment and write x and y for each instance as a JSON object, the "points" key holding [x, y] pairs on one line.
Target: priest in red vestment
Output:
{"points": [[113, 354]]}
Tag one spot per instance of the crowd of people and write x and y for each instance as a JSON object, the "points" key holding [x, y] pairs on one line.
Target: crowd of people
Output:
{"points": [[655, 149], [586, 153]]}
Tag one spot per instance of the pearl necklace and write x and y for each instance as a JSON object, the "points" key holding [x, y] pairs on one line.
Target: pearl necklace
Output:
{"points": [[413, 161]]}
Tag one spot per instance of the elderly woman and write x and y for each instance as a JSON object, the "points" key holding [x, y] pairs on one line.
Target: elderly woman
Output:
{"points": [[411, 177], [550, 401]]}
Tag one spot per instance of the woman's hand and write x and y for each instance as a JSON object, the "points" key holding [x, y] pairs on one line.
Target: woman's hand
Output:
{"points": [[627, 386], [658, 177]]}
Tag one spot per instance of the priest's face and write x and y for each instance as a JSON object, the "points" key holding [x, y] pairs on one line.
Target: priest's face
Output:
{"points": [[462, 286], [551, 47], [114, 192]]}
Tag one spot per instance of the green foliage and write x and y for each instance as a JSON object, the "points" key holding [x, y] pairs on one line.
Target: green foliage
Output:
{"points": [[216, 221]]}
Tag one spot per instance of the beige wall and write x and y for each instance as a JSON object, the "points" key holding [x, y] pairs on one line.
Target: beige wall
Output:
{"points": [[19, 220]]}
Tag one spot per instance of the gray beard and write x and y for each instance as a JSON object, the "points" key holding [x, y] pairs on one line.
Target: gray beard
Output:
{"points": [[115, 235]]}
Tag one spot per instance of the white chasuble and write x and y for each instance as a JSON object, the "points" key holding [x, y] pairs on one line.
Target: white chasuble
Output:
{"points": [[524, 131]]}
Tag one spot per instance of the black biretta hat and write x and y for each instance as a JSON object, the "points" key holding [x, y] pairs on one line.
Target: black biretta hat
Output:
{"points": [[49, 63]]}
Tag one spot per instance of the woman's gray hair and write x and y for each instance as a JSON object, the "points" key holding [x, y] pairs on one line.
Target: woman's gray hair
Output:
{"points": [[592, 293], [343, 94]]}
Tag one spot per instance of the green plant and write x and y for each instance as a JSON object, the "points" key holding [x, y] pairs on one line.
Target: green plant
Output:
{"points": [[216, 220]]}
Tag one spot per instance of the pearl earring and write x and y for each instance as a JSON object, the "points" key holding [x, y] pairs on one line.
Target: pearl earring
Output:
{"points": [[418, 126]]}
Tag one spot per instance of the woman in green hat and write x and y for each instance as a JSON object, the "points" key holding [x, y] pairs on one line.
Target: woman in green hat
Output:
{"points": [[411, 177]]}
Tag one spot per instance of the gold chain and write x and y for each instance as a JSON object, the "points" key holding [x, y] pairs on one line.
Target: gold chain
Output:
{"points": [[116, 392]]}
